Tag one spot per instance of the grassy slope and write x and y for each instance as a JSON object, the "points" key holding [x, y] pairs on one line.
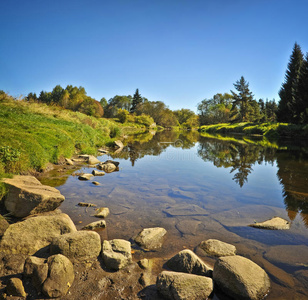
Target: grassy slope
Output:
{"points": [[273, 130], [44, 134]]}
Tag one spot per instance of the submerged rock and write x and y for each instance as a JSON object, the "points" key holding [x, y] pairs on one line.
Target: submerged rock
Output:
{"points": [[116, 254], [173, 285], [275, 223], [241, 278], [78, 245], [151, 238], [95, 225], [87, 204], [217, 248], [185, 210], [102, 212], [188, 262], [30, 235], [27, 196], [60, 276]]}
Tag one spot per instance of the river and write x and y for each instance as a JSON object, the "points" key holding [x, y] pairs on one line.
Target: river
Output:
{"points": [[201, 187]]}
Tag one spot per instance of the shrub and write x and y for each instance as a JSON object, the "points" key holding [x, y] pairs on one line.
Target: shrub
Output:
{"points": [[144, 120]]}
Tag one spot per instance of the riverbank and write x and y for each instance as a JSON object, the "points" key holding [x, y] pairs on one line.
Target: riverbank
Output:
{"points": [[269, 130]]}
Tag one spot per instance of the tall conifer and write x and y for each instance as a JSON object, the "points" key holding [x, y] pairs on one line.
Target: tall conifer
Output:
{"points": [[137, 99], [287, 104]]}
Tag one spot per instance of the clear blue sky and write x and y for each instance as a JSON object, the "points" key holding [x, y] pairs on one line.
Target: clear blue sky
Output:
{"points": [[176, 51]]}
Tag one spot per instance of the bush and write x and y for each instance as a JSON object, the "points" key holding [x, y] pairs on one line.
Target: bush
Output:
{"points": [[144, 120], [122, 115]]}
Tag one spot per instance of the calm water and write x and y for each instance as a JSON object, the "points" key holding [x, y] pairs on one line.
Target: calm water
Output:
{"points": [[199, 187]]}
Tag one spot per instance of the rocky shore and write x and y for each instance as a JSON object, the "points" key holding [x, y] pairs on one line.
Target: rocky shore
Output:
{"points": [[43, 255]]}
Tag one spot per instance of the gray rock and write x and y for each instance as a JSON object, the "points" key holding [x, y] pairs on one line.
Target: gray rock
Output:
{"points": [[217, 248], [30, 235], [69, 162], [180, 286], [118, 144], [60, 276], [78, 245], [116, 254], [151, 238], [95, 225], [15, 288], [107, 167], [241, 278], [37, 269], [92, 160], [98, 173], [275, 223], [86, 176], [102, 212], [27, 196], [187, 261]]}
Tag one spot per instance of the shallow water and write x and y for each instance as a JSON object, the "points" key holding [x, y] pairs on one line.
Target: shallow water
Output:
{"points": [[201, 187]]}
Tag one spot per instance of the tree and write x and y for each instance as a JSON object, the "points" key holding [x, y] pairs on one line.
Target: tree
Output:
{"points": [[243, 107], [103, 102], [137, 99], [287, 105], [183, 115], [302, 93]]}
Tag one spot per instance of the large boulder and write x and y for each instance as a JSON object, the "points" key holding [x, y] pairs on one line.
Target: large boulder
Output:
{"points": [[173, 285], [78, 245], [116, 254], [187, 261], [217, 248], [241, 278], [151, 238], [30, 235], [60, 276], [27, 196]]}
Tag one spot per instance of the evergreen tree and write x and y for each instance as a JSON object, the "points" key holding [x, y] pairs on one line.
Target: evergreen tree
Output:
{"points": [[302, 93], [243, 107], [137, 99], [287, 105]]}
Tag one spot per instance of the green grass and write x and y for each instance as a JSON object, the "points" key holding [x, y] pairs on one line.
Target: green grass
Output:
{"points": [[269, 130], [43, 134]]}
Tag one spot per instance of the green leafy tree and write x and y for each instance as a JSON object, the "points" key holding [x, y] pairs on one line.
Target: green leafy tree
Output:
{"points": [[103, 102], [183, 115], [302, 93], [287, 111], [243, 107], [137, 99], [122, 115]]}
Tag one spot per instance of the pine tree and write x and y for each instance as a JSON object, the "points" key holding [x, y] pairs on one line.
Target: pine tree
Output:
{"points": [[242, 108], [137, 99], [287, 104], [302, 93]]}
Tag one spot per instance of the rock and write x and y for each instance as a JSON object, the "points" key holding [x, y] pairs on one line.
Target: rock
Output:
{"points": [[98, 173], [27, 196], [86, 176], [217, 248], [4, 224], [92, 160], [118, 144], [69, 162], [77, 245], [144, 263], [275, 223], [151, 238], [288, 255], [102, 212], [302, 276], [37, 269], [186, 210], [95, 225], [30, 235], [187, 261], [240, 278], [103, 151], [95, 183], [116, 254], [116, 163], [188, 227], [11, 263], [60, 276], [107, 167], [87, 204], [173, 285], [15, 288]]}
